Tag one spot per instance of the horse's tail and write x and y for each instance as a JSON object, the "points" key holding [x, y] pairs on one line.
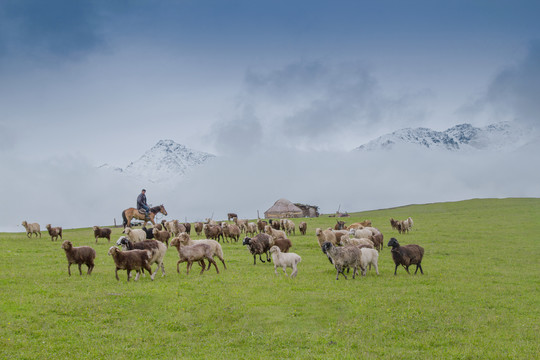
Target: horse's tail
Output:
{"points": [[124, 218]]}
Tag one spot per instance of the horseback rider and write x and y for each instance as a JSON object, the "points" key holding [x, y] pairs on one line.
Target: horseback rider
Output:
{"points": [[141, 203]]}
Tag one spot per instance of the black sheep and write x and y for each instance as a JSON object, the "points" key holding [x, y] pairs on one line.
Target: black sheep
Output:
{"points": [[406, 255]]}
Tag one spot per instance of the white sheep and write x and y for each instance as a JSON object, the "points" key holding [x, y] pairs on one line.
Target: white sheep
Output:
{"points": [[32, 228], [346, 240], [369, 257], [135, 234], [285, 260], [362, 233]]}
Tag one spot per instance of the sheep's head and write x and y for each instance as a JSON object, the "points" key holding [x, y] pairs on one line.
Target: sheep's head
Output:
{"points": [[127, 231], [66, 245], [275, 249], [122, 240], [345, 239], [327, 245], [24, 223], [247, 241], [318, 231], [155, 231], [48, 226], [95, 228], [393, 242], [113, 250], [175, 242], [184, 238]]}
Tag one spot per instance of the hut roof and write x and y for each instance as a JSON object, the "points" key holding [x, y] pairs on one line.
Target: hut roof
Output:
{"points": [[284, 206]]}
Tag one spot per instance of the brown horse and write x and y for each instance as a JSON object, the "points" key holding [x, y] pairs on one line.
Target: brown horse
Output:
{"points": [[131, 213]]}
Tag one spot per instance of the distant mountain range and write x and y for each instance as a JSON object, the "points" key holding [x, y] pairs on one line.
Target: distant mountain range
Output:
{"points": [[499, 136], [166, 160]]}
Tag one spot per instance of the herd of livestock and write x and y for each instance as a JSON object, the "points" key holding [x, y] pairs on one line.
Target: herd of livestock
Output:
{"points": [[355, 247]]}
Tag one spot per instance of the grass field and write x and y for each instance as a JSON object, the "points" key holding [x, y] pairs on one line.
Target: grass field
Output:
{"points": [[479, 297]]}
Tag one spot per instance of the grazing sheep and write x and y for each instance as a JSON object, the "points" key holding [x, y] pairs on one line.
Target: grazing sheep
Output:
{"points": [[217, 250], [162, 236], [284, 261], [276, 234], [79, 255], [130, 260], [198, 228], [406, 255], [302, 227], [135, 234], [343, 257], [369, 257], [102, 233], [324, 236], [259, 245], [283, 244], [194, 253], [157, 251], [32, 228], [54, 232]]}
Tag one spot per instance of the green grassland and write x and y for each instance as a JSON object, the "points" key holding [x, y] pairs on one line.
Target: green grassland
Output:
{"points": [[479, 296]]}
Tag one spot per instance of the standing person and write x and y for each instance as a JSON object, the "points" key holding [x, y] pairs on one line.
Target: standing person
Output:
{"points": [[141, 203]]}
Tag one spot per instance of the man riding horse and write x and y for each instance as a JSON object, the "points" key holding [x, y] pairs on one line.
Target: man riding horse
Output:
{"points": [[141, 204]]}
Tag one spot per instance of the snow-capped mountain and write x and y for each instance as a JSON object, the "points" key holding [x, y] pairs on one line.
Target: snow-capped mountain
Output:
{"points": [[499, 136], [166, 160]]}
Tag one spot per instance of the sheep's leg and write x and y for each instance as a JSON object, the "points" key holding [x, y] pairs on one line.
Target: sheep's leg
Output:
{"points": [[284, 267], [162, 268], [275, 269], [294, 271], [260, 258], [116, 274], [254, 259], [80, 271], [69, 268], [223, 261], [149, 269], [407, 268], [178, 266], [395, 270], [268, 258], [138, 274], [188, 267], [213, 262], [128, 271], [90, 268], [418, 266]]}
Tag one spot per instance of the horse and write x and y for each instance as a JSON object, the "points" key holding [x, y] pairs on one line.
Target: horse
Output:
{"points": [[131, 213]]}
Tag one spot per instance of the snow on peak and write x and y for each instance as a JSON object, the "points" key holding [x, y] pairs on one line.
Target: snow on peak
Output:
{"points": [[165, 161], [499, 136]]}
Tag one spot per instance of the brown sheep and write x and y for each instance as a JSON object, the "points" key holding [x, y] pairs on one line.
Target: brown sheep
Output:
{"points": [[213, 232], [102, 233], [194, 253], [162, 236], [283, 244], [54, 232], [130, 260], [79, 255], [302, 227], [198, 228]]}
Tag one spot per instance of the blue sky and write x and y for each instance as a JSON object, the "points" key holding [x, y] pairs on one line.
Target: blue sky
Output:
{"points": [[92, 82]]}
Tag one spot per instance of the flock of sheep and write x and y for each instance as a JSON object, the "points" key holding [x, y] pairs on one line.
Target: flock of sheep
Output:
{"points": [[356, 246]]}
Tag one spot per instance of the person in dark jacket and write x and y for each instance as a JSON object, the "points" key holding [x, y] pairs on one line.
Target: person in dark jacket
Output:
{"points": [[141, 203]]}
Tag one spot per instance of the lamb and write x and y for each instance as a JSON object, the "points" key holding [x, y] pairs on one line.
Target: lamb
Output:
{"points": [[284, 260], [54, 232], [325, 235], [302, 227], [79, 255], [361, 233], [259, 245], [32, 228], [193, 253], [157, 251], [343, 257], [102, 233], [369, 257], [340, 225], [283, 244], [130, 260], [162, 236], [378, 241], [198, 228], [276, 234], [217, 250], [406, 255], [188, 227], [135, 234], [225, 229]]}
